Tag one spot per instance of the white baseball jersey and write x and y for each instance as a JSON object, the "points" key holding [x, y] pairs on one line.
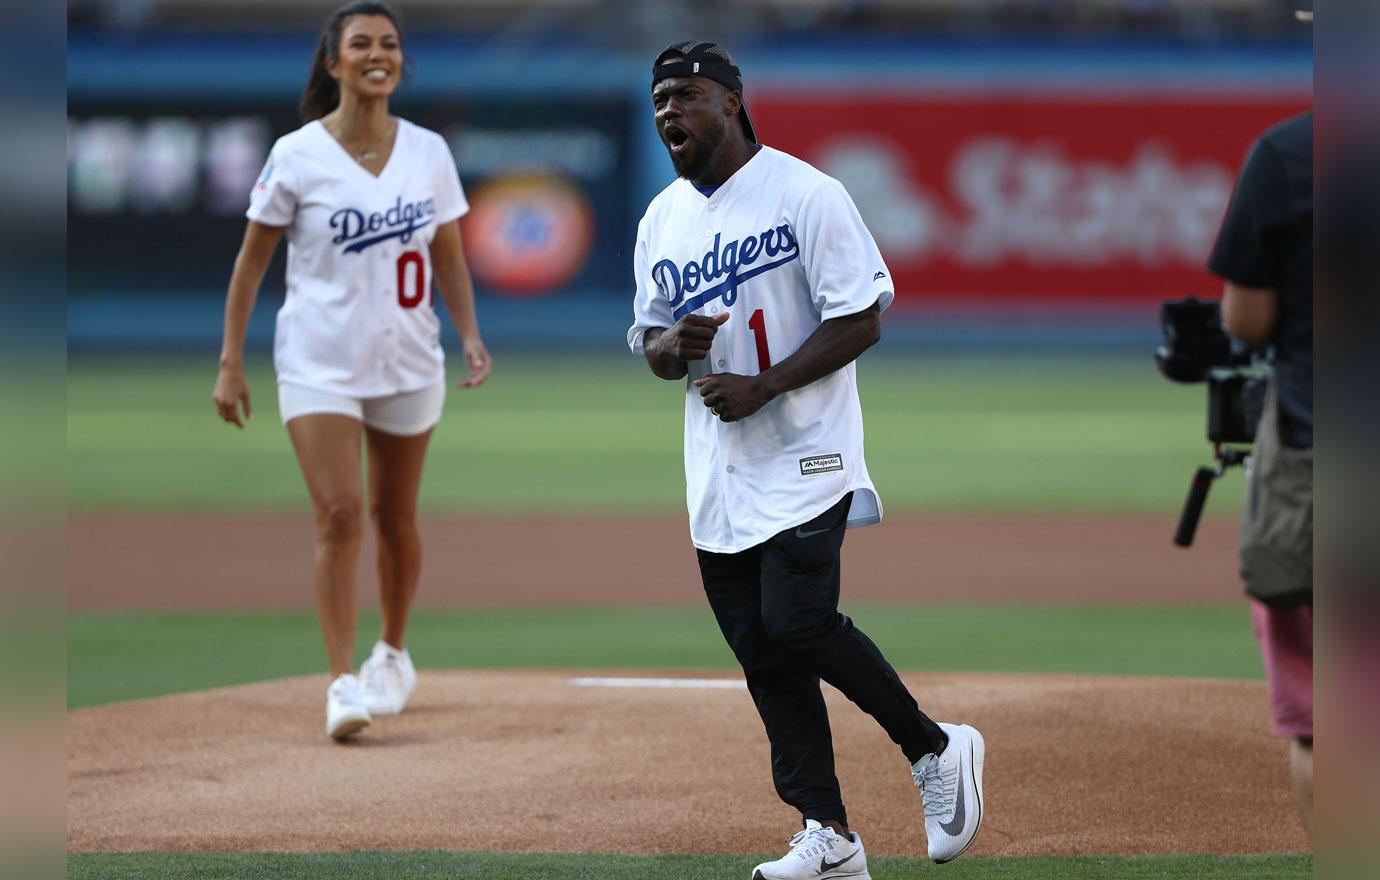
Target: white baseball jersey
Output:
{"points": [[781, 246], [358, 319]]}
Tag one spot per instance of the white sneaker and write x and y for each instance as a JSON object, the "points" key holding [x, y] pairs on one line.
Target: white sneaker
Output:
{"points": [[389, 679], [345, 709], [951, 786], [817, 853]]}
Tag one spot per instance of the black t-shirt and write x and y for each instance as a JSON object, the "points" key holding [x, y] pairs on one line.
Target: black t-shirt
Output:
{"points": [[1267, 241]]}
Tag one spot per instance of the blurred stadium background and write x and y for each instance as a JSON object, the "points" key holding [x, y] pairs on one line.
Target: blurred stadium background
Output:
{"points": [[1040, 175]]}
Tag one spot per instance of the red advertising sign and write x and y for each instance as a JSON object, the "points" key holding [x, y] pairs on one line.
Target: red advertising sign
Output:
{"points": [[1072, 198]]}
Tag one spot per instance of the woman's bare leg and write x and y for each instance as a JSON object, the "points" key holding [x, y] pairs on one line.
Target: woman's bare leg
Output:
{"points": [[327, 448], [395, 476]]}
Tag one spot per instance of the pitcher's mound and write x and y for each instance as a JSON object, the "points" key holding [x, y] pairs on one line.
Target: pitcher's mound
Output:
{"points": [[531, 761]]}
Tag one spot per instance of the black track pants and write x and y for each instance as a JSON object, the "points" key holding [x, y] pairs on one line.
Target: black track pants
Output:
{"points": [[777, 605]]}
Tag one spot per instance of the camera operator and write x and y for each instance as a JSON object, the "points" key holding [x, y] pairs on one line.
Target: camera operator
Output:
{"points": [[1264, 252]]}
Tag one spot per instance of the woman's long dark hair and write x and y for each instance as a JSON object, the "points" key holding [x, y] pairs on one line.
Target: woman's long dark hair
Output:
{"points": [[322, 93]]}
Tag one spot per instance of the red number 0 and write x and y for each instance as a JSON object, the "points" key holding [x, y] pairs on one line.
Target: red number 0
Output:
{"points": [[419, 280], [759, 329]]}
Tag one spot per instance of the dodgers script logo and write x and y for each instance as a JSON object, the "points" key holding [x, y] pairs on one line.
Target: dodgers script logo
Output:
{"points": [[675, 282], [399, 221]]}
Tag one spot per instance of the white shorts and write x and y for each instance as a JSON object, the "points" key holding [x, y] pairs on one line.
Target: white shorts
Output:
{"points": [[414, 412]]}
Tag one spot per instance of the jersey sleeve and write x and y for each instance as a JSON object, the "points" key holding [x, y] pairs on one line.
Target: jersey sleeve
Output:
{"points": [[650, 308], [1245, 253], [450, 196], [273, 200], [841, 260]]}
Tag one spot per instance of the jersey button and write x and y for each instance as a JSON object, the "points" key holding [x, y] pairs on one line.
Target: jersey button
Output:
{"points": [[729, 469], [722, 362], [713, 207]]}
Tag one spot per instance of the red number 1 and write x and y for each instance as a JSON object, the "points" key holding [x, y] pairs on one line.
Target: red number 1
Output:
{"points": [[759, 329], [419, 280]]}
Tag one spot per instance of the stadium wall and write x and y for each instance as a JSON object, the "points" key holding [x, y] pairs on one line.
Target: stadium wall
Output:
{"points": [[1026, 195]]}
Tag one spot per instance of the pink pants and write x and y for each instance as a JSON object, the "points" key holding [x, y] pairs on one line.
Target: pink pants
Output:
{"points": [[1286, 644]]}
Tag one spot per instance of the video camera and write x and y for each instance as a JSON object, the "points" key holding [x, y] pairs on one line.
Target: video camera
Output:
{"points": [[1197, 349]]}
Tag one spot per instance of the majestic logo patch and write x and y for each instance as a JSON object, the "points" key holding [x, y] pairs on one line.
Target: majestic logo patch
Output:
{"points": [[359, 230], [675, 282], [820, 464], [878, 274]]}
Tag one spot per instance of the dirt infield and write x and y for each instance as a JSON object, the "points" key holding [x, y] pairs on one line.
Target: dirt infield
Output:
{"points": [[199, 561], [527, 761]]}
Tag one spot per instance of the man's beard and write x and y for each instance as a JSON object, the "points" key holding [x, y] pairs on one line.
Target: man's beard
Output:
{"points": [[696, 161]]}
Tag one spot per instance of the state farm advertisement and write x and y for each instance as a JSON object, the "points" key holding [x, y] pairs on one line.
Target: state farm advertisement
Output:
{"points": [[975, 198]]}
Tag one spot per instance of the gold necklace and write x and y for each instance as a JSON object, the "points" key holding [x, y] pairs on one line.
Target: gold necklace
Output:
{"points": [[369, 154]]}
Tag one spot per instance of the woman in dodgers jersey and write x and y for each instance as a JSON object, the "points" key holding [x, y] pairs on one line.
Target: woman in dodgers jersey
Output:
{"points": [[370, 206]]}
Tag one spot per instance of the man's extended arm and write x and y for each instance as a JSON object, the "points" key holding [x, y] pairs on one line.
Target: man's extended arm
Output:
{"points": [[835, 343]]}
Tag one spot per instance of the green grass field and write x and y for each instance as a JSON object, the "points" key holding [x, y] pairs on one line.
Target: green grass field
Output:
{"points": [[125, 655], [565, 866], [600, 434]]}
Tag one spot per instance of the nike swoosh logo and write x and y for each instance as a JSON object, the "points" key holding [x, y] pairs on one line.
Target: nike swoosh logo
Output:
{"points": [[802, 534], [826, 865], [954, 827]]}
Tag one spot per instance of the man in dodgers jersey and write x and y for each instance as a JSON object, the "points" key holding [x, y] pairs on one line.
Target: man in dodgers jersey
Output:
{"points": [[758, 283]]}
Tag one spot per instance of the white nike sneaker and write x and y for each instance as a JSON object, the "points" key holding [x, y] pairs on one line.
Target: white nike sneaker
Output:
{"points": [[951, 786], [345, 709], [818, 853], [389, 679]]}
